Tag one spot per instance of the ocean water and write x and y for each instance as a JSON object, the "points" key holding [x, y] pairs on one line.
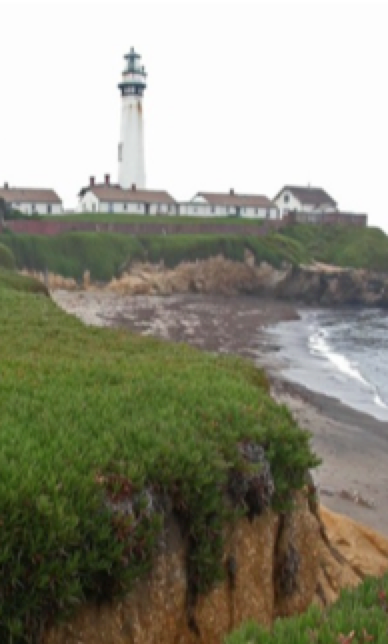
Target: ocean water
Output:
{"points": [[340, 353]]}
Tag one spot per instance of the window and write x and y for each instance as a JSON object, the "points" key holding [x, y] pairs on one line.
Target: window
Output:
{"points": [[120, 151], [268, 213], [286, 198], [49, 209]]}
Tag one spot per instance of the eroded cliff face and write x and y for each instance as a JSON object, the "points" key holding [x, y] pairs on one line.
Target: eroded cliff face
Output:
{"points": [[318, 284], [329, 286], [275, 567]]}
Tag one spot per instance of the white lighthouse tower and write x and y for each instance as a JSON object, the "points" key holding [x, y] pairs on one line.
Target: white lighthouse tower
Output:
{"points": [[131, 146]]}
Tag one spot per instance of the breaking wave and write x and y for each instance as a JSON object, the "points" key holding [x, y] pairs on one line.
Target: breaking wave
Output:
{"points": [[319, 346]]}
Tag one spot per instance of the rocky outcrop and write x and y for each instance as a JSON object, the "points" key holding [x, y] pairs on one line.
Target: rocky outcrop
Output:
{"points": [[52, 281], [275, 566], [318, 284], [330, 286], [214, 275]]}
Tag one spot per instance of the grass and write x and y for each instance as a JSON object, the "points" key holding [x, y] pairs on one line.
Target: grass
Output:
{"points": [[359, 617], [345, 246], [105, 255], [122, 218], [91, 418], [11, 281], [7, 259]]}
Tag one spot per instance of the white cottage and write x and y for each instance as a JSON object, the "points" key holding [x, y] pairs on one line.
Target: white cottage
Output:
{"points": [[304, 199], [229, 204], [32, 201], [111, 198]]}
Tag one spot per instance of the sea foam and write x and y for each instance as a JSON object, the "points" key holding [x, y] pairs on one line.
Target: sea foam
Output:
{"points": [[319, 346]]}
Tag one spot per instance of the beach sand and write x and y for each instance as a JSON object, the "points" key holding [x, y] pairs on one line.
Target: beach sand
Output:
{"points": [[353, 478]]}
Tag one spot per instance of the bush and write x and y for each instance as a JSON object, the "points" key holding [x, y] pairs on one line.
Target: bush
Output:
{"points": [[102, 429], [7, 259], [359, 616]]}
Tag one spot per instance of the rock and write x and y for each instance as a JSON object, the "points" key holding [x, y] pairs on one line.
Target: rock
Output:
{"points": [[316, 285], [275, 566], [330, 286]]}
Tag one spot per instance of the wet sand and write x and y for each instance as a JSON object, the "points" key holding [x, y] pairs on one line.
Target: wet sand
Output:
{"points": [[353, 478]]}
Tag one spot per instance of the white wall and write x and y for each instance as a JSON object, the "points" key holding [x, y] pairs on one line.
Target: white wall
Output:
{"points": [[199, 209], [194, 209], [131, 145], [28, 208], [163, 209], [325, 208], [88, 203], [260, 213], [292, 204], [122, 208]]}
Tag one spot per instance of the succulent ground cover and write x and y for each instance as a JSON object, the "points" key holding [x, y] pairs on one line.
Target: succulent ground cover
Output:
{"points": [[360, 616], [103, 433]]}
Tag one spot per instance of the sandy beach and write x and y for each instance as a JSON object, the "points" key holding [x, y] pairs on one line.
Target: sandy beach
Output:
{"points": [[353, 478]]}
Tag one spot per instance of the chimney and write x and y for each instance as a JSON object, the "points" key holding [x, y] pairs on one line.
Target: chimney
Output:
{"points": [[133, 187], [107, 179], [231, 191], [6, 186], [91, 181]]}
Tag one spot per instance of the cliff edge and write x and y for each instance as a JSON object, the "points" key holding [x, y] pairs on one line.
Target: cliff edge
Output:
{"points": [[316, 284], [276, 566]]}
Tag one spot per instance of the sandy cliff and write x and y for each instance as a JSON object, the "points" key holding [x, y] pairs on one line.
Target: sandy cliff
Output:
{"points": [[317, 284], [275, 566]]}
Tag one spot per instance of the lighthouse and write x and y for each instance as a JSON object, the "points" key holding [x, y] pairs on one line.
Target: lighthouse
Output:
{"points": [[131, 145]]}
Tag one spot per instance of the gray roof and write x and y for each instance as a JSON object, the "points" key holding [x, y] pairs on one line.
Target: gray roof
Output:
{"points": [[308, 195], [116, 194], [29, 195], [233, 199]]}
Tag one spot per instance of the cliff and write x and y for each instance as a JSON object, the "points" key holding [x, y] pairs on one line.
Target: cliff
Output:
{"points": [[330, 286], [275, 567], [318, 284]]}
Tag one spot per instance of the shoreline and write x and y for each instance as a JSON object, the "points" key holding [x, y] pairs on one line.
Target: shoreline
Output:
{"points": [[352, 444]]}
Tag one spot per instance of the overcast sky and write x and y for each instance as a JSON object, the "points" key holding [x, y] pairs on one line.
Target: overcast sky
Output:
{"points": [[244, 95]]}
